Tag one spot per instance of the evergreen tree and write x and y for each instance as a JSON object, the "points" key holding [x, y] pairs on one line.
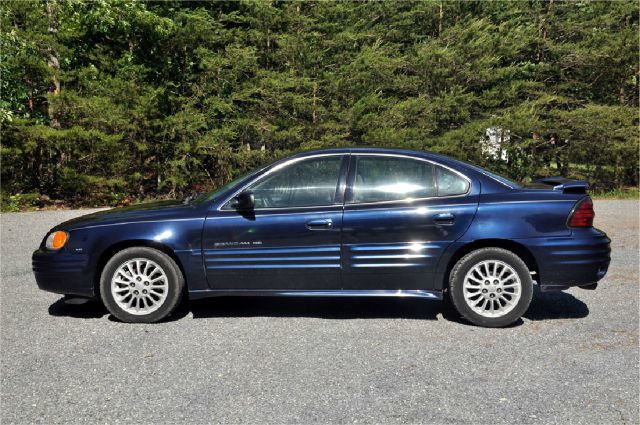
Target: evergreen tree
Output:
{"points": [[111, 102]]}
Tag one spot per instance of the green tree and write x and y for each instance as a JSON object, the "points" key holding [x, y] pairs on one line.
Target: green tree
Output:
{"points": [[109, 102]]}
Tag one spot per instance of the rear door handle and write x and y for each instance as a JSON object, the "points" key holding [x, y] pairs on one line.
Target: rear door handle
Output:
{"points": [[444, 218], [320, 224]]}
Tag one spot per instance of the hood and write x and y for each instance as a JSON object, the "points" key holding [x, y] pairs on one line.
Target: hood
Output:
{"points": [[158, 210]]}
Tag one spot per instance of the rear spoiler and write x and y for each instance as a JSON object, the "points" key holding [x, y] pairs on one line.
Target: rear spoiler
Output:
{"points": [[565, 185]]}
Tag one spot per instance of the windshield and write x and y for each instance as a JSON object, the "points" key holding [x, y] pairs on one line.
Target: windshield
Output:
{"points": [[211, 195]]}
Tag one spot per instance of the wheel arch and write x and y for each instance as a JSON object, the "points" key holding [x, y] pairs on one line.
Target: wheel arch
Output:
{"points": [[111, 250], [517, 248]]}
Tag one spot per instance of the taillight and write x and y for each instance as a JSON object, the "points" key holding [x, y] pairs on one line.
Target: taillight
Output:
{"points": [[583, 214]]}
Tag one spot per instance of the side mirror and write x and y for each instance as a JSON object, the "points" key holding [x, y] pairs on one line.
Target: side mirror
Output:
{"points": [[244, 201]]}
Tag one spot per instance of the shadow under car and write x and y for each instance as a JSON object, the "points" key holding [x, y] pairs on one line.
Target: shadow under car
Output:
{"points": [[544, 306]]}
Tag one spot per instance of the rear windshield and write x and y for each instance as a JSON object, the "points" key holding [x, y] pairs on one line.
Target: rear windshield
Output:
{"points": [[501, 179], [505, 181]]}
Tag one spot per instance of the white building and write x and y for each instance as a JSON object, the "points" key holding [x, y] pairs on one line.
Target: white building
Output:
{"points": [[495, 142]]}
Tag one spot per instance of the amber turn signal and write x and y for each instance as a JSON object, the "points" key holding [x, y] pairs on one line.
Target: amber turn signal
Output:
{"points": [[56, 240]]}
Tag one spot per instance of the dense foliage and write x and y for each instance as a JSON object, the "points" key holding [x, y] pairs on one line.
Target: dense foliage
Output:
{"points": [[108, 102]]}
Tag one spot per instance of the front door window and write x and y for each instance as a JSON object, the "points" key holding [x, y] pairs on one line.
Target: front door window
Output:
{"points": [[305, 183]]}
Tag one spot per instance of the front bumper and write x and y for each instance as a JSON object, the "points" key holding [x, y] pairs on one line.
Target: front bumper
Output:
{"points": [[577, 260], [63, 273]]}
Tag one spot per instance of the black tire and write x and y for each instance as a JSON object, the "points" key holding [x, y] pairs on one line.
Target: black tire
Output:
{"points": [[469, 261], [174, 287]]}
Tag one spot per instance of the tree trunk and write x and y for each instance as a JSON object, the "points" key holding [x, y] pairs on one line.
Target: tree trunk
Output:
{"points": [[440, 20], [53, 62], [544, 20], [30, 97], [315, 92], [616, 172]]}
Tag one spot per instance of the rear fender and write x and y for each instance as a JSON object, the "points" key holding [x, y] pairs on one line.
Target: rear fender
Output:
{"points": [[521, 215]]}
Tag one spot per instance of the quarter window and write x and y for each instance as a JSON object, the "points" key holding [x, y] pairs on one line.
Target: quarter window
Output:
{"points": [[394, 179], [304, 183], [450, 183]]}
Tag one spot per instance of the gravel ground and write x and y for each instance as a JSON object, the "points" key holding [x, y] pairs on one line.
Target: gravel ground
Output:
{"points": [[572, 359]]}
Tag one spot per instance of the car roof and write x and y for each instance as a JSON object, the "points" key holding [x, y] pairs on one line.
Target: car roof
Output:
{"points": [[364, 149], [374, 150]]}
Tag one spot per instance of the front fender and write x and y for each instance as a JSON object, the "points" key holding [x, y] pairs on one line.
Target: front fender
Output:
{"points": [[181, 237]]}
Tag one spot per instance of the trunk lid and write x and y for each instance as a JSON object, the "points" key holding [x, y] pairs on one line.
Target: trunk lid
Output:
{"points": [[561, 184]]}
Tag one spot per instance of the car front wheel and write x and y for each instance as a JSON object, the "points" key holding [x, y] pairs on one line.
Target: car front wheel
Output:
{"points": [[491, 287], [141, 285]]}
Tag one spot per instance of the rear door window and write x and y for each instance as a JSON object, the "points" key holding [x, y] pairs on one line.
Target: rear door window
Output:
{"points": [[381, 178], [392, 179]]}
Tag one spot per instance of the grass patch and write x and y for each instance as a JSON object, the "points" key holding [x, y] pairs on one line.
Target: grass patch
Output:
{"points": [[626, 193], [19, 202]]}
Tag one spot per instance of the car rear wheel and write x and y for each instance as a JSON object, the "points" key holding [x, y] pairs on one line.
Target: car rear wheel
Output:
{"points": [[491, 287], [141, 285]]}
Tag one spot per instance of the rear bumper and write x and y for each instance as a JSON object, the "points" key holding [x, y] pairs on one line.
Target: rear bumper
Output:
{"points": [[577, 260], [63, 273]]}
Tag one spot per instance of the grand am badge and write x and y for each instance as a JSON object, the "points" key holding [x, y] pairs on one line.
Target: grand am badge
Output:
{"points": [[241, 243]]}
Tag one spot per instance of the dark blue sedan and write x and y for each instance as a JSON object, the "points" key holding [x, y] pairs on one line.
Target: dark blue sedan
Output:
{"points": [[336, 223]]}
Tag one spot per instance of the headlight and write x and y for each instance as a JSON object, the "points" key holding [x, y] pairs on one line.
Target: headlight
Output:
{"points": [[56, 240]]}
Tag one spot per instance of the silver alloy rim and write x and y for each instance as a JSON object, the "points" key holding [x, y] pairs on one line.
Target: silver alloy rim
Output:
{"points": [[492, 288], [139, 286]]}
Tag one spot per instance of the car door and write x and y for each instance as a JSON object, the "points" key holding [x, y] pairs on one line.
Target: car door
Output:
{"points": [[400, 214], [291, 239]]}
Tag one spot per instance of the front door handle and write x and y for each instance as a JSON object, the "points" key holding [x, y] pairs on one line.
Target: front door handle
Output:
{"points": [[444, 218], [320, 224]]}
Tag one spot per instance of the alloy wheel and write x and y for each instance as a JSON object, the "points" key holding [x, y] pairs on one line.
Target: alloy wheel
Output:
{"points": [[492, 288], [139, 286]]}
